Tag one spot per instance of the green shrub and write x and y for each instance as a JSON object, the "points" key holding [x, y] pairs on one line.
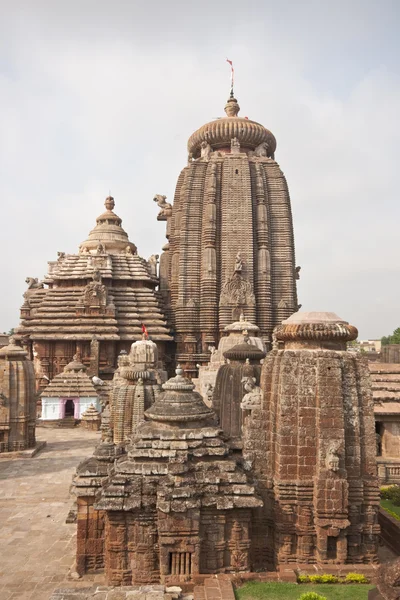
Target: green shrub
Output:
{"points": [[392, 493], [355, 578], [311, 596], [325, 578], [303, 579]]}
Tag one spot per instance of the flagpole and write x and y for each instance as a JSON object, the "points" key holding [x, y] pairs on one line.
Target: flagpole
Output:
{"points": [[232, 76]]}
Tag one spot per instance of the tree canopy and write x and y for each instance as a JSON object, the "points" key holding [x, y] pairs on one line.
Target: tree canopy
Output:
{"points": [[391, 339]]}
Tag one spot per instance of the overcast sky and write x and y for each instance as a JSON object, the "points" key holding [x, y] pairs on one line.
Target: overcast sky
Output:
{"points": [[98, 96]]}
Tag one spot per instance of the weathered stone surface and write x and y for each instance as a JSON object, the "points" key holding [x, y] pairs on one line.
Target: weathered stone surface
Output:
{"points": [[315, 450], [154, 520], [17, 399], [230, 239]]}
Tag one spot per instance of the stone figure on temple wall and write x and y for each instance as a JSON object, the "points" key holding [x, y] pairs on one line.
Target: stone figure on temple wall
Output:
{"points": [[253, 397], [33, 283], [332, 457], [100, 248], [209, 390], [128, 250], [205, 150], [297, 272], [61, 256], [165, 207], [238, 263], [235, 146], [262, 149], [153, 262], [95, 293]]}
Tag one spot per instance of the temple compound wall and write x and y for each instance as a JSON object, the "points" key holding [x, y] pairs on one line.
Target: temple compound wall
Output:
{"points": [[310, 442]]}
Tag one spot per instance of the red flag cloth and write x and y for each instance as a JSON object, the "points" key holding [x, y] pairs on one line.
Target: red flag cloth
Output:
{"points": [[230, 62], [145, 332]]}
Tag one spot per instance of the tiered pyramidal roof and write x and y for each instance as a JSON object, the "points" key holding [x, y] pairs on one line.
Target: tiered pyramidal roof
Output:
{"points": [[106, 290]]}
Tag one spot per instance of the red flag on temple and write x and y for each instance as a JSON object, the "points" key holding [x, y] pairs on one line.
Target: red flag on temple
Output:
{"points": [[145, 332]]}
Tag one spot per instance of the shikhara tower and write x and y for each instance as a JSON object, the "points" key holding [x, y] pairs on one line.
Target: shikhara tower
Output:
{"points": [[230, 237]]}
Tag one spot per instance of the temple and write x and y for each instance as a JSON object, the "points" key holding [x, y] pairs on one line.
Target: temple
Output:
{"points": [[230, 238], [261, 450], [93, 303]]}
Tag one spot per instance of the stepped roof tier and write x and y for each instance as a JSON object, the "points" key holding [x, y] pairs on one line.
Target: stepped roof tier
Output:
{"points": [[385, 378], [106, 290]]}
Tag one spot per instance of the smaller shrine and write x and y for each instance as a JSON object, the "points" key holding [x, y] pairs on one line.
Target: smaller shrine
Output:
{"points": [[69, 394], [91, 419], [176, 505], [237, 333], [135, 387], [17, 399], [241, 371]]}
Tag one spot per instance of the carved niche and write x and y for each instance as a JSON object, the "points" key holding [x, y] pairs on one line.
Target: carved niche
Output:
{"points": [[94, 298], [237, 291]]}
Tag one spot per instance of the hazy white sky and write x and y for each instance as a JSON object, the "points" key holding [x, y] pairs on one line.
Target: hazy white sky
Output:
{"points": [[98, 96]]}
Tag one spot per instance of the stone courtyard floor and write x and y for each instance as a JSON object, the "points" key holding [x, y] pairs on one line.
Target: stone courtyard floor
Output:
{"points": [[37, 547]]}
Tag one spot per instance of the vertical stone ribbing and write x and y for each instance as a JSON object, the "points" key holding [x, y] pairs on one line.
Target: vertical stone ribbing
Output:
{"points": [[282, 245], [209, 281], [262, 255], [236, 217]]}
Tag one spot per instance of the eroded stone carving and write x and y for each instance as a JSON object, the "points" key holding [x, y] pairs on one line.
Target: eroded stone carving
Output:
{"points": [[237, 291], [153, 262], [262, 150], [34, 283], [332, 457], [252, 399], [205, 150], [165, 207], [235, 146]]}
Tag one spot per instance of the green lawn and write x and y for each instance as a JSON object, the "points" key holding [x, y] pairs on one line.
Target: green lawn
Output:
{"points": [[390, 506], [255, 590]]}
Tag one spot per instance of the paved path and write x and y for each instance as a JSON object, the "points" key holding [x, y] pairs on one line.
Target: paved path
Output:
{"points": [[37, 548]]}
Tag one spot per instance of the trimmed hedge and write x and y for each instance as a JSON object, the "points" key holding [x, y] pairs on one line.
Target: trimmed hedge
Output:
{"points": [[328, 578]]}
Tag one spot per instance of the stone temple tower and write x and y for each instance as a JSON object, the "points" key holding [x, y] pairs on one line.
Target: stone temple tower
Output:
{"points": [[230, 237]]}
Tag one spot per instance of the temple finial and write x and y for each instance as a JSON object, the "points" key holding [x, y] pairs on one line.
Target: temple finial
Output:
{"points": [[109, 202]]}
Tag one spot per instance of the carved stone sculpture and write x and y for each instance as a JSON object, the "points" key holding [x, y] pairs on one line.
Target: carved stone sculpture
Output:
{"points": [[252, 398], [262, 150], [238, 263], [153, 262], [165, 207], [205, 150], [34, 283], [235, 146]]}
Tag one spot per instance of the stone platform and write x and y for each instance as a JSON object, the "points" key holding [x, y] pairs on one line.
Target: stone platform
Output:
{"points": [[28, 453]]}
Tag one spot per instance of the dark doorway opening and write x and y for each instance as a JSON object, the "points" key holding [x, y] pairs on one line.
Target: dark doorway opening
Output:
{"points": [[331, 548], [69, 408]]}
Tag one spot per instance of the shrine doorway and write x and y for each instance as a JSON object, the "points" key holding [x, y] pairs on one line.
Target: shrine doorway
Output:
{"points": [[69, 408]]}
